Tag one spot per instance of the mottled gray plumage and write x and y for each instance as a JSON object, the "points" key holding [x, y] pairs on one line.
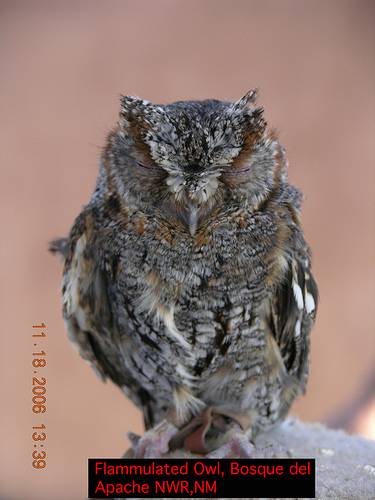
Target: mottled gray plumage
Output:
{"points": [[187, 278]]}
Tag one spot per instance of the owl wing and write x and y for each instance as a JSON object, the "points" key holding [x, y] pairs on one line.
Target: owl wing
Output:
{"points": [[88, 315], [293, 314]]}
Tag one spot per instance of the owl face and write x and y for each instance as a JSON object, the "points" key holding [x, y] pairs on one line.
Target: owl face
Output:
{"points": [[189, 159]]}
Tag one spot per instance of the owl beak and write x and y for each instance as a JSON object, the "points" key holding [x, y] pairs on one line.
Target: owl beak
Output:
{"points": [[192, 210]]}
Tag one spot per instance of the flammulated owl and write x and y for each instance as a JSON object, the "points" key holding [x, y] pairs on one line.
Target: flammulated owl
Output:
{"points": [[187, 278]]}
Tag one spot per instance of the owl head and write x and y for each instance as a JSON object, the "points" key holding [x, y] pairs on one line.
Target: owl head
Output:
{"points": [[189, 159]]}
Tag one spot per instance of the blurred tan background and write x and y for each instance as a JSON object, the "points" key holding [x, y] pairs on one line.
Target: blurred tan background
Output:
{"points": [[63, 66]]}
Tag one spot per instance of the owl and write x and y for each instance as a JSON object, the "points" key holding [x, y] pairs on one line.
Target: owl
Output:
{"points": [[187, 278]]}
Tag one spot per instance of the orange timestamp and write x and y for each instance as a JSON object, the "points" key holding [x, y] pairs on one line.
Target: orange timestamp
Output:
{"points": [[39, 398]]}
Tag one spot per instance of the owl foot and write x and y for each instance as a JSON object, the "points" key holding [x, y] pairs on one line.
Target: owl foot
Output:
{"points": [[200, 435], [245, 449], [238, 445], [153, 444]]}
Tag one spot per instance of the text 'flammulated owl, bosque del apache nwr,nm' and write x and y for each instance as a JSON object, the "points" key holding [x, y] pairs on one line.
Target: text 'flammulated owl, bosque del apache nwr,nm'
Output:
{"points": [[187, 279]]}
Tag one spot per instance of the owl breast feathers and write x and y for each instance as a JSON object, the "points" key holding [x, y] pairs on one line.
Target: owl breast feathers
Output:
{"points": [[187, 278]]}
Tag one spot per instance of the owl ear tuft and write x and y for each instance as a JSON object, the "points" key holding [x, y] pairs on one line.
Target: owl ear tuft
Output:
{"points": [[248, 99], [134, 108], [129, 102]]}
